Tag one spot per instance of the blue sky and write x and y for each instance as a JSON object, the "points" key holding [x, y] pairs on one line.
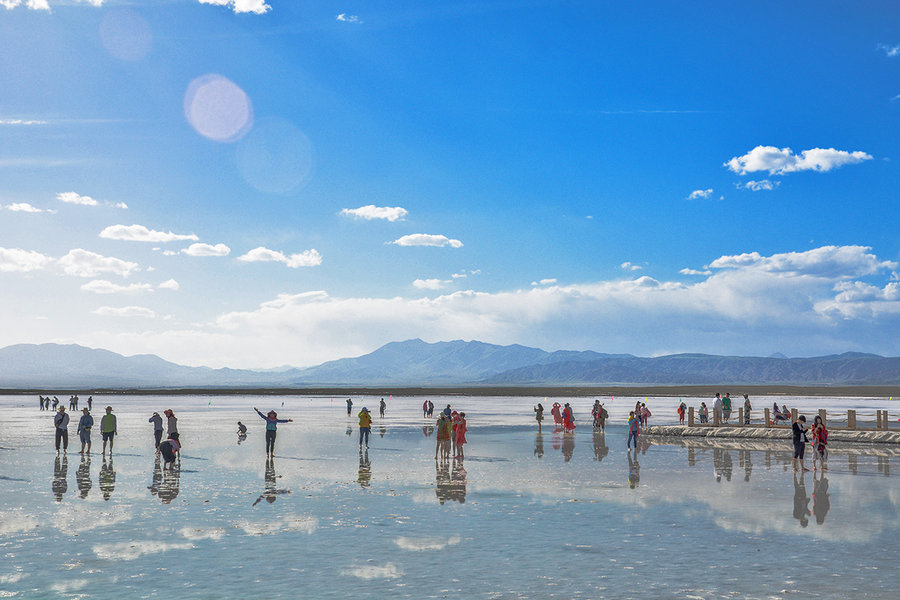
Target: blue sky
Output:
{"points": [[254, 183]]}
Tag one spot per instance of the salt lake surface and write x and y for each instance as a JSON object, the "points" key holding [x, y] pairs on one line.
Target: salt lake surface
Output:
{"points": [[525, 515]]}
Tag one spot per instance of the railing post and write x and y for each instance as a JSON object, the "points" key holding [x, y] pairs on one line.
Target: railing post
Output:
{"points": [[851, 419], [690, 416], [794, 413], [823, 414], [878, 419], [717, 416], [741, 415], [768, 418]]}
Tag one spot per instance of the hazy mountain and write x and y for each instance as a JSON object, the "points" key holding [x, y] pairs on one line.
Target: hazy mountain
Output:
{"points": [[417, 363]]}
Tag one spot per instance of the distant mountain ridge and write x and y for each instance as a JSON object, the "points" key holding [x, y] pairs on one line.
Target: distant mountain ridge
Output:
{"points": [[419, 363]]}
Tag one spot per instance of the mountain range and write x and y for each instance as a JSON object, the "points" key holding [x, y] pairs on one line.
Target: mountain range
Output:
{"points": [[455, 363]]}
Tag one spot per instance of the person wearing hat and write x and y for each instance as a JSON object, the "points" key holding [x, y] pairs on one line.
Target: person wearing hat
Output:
{"points": [[84, 429], [272, 422], [61, 422], [365, 426], [157, 428], [108, 429]]}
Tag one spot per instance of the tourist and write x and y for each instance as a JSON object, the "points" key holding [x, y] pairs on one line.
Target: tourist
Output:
{"points": [[539, 414], [272, 421], [459, 436], [61, 422], [430, 408], [645, 415], [55, 402], [171, 424], [717, 409], [349, 406], [365, 426], [90, 403], [726, 407], [602, 416], [84, 429], [819, 442], [568, 419], [634, 428], [747, 409], [108, 429], [448, 412], [169, 449], [381, 406], [442, 445], [242, 429], [157, 429], [704, 413], [682, 408], [425, 409], [454, 421], [800, 441], [557, 415]]}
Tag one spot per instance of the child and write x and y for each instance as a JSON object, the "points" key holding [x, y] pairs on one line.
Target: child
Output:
{"points": [[459, 439], [169, 450]]}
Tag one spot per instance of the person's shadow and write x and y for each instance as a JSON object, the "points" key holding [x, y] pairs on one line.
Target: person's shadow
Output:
{"points": [[271, 491], [107, 478], [60, 474]]}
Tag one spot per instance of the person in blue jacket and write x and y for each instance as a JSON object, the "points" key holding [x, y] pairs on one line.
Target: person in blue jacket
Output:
{"points": [[272, 422]]}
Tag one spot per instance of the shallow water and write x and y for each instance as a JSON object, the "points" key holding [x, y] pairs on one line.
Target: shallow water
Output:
{"points": [[525, 515]]}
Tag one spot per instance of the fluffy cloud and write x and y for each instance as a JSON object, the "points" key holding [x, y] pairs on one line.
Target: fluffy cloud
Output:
{"points": [[426, 239], [169, 284], [83, 263], [697, 194], [139, 233], [124, 311], [628, 266], [832, 262], [20, 121], [18, 260], [890, 51], [344, 17], [25, 207], [780, 161], [258, 7], [101, 286], [695, 272], [75, 198], [32, 4], [307, 258], [200, 249], [548, 281], [370, 212], [430, 284], [758, 186]]}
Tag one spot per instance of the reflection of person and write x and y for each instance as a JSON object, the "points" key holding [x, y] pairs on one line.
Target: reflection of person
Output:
{"points": [[634, 470], [61, 423], [427, 430], [271, 492], [745, 461], [84, 429], [450, 486], [442, 479], [171, 483], [365, 426], [60, 474], [272, 421], [568, 447], [539, 444], [364, 475], [83, 476], [156, 478], [821, 503], [157, 429], [801, 501], [600, 447], [107, 478], [457, 490], [108, 429]]}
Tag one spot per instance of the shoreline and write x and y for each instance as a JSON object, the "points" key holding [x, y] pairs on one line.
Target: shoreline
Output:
{"points": [[693, 391]]}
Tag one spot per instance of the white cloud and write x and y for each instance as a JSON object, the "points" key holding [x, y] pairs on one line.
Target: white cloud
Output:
{"points": [[890, 51], [348, 18], [430, 284], [169, 253], [780, 161], [101, 286], [83, 263], [32, 4], [370, 212], [139, 233], [120, 205], [25, 207], [169, 284], [136, 549], [200, 249], [695, 272], [426, 239], [827, 261], [628, 266], [20, 121], [548, 281], [75, 198], [696, 194], [124, 311], [388, 571], [307, 258], [18, 260], [258, 7], [758, 186]]}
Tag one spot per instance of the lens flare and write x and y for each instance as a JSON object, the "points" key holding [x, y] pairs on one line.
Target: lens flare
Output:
{"points": [[217, 108]]}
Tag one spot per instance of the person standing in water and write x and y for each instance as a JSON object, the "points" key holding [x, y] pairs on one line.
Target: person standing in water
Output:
{"points": [[798, 431], [108, 429], [365, 426], [382, 405], [84, 429], [539, 415], [61, 422], [349, 406], [568, 419], [272, 422], [460, 435], [157, 429], [442, 445], [726, 407], [169, 450], [634, 428]]}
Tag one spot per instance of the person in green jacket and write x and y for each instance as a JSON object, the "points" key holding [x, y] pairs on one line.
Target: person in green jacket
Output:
{"points": [[108, 429]]}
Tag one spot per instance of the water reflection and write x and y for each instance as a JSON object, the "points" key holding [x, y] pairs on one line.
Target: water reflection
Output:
{"points": [[568, 446], [156, 478], [364, 475], [170, 485], [382, 430], [600, 447], [821, 500], [271, 491], [722, 464], [60, 473], [450, 484], [427, 430], [801, 500], [634, 470], [539, 445], [83, 476], [107, 478]]}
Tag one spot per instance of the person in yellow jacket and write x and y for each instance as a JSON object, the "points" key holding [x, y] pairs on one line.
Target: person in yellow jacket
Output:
{"points": [[365, 426]]}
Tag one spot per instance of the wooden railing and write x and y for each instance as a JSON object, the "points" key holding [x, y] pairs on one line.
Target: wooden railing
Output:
{"points": [[849, 420]]}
